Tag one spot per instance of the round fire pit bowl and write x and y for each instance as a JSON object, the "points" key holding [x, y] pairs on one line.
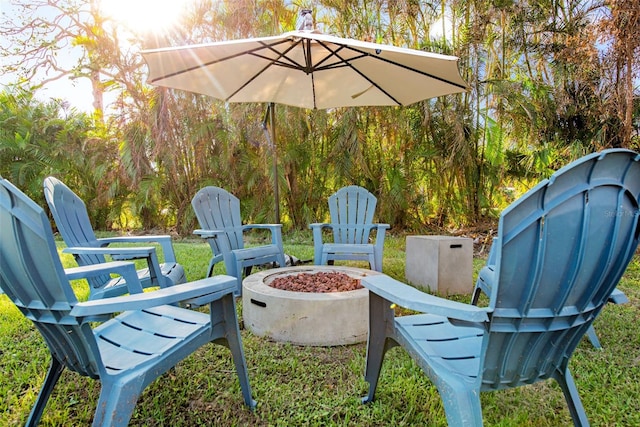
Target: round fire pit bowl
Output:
{"points": [[306, 318]]}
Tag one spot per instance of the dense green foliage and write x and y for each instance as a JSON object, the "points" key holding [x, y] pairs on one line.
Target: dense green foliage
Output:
{"points": [[550, 81]]}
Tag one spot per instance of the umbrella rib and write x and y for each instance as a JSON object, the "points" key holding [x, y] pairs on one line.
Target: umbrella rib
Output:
{"points": [[348, 64], [367, 54], [272, 61], [278, 62], [290, 63], [406, 67], [236, 55]]}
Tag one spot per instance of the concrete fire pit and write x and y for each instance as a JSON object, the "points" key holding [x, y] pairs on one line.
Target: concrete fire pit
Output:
{"points": [[306, 318]]}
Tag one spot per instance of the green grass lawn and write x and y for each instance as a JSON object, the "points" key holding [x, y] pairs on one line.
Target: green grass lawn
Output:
{"points": [[319, 386]]}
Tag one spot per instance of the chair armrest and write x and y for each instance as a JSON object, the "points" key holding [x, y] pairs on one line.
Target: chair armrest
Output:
{"points": [[213, 287], [208, 234], [223, 244], [380, 233], [409, 297], [141, 252], [125, 269], [119, 253], [317, 228], [262, 226], [320, 225], [276, 231], [163, 240], [367, 227]]}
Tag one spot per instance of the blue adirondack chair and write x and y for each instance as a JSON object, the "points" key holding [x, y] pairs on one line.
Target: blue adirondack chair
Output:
{"points": [[218, 213], [71, 217], [486, 276], [351, 210], [560, 253], [126, 352]]}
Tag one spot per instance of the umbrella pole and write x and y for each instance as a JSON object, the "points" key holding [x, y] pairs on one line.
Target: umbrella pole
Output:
{"points": [[276, 192]]}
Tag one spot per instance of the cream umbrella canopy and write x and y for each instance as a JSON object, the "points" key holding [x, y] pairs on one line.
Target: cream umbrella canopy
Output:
{"points": [[305, 69]]}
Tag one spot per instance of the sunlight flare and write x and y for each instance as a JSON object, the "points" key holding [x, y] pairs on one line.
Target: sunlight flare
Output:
{"points": [[144, 15]]}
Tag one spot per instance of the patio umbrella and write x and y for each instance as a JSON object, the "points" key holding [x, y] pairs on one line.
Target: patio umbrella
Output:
{"points": [[306, 69]]}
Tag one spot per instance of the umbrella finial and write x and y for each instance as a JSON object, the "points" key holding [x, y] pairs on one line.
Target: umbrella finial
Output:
{"points": [[305, 22]]}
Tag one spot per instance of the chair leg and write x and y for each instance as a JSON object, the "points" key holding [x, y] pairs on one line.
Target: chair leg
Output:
{"points": [[234, 268], [373, 265], [570, 391], [591, 334], [227, 332], [461, 404], [55, 369], [380, 314], [238, 274], [377, 255], [282, 261], [117, 401], [617, 297]]}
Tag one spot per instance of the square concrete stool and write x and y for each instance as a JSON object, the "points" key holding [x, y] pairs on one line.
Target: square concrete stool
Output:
{"points": [[440, 264]]}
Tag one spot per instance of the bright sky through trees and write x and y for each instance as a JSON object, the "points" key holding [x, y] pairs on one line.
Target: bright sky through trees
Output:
{"points": [[137, 16], [144, 15]]}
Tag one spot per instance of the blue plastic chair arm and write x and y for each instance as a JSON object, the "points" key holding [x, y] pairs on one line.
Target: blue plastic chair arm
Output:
{"points": [[207, 234], [83, 271], [320, 225], [317, 228], [382, 229], [121, 253], [125, 269], [370, 227], [262, 226], [222, 243], [162, 239], [134, 239], [275, 229], [414, 299], [215, 287]]}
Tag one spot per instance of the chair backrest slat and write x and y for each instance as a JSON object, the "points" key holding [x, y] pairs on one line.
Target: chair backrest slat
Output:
{"points": [[352, 206], [217, 209], [72, 219]]}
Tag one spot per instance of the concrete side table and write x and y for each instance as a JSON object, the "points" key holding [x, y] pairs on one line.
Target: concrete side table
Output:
{"points": [[441, 264]]}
